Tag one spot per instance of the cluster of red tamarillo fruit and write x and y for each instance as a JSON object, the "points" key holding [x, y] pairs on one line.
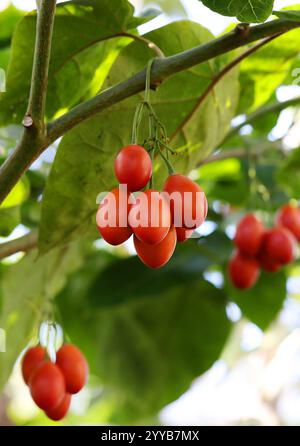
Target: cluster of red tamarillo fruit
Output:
{"points": [[262, 248], [156, 240], [52, 384], [162, 221]]}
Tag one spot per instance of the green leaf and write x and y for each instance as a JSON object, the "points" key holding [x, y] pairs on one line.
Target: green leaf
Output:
{"points": [[262, 303], [9, 219], [18, 194], [288, 174], [83, 166], [25, 288], [245, 10], [265, 70], [292, 14], [188, 263], [147, 351], [78, 57], [8, 20]]}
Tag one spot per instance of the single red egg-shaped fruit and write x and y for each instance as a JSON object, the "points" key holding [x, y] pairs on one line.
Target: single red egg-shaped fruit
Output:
{"points": [[31, 360], [59, 412], [133, 166], [187, 201], [249, 235], [183, 234], [243, 271], [280, 245], [156, 256], [112, 217], [150, 217], [74, 367], [289, 217], [47, 386]]}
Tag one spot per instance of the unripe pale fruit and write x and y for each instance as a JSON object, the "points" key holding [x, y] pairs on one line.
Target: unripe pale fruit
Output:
{"points": [[31, 360], [243, 271], [73, 366], [47, 386], [249, 235]]}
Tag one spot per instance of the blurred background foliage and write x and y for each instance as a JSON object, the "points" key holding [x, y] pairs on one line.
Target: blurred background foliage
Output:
{"points": [[148, 335]]}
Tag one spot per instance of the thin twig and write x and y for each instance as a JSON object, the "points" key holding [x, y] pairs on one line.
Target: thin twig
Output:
{"points": [[261, 112], [219, 77], [239, 153], [22, 244], [155, 48]]}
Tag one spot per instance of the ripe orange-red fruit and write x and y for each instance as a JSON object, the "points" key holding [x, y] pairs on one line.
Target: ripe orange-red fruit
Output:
{"points": [[150, 217], [289, 217], [280, 245], [112, 217], [187, 201], [156, 256], [249, 235], [266, 263], [47, 386], [133, 166], [73, 366], [183, 234], [243, 271], [59, 412], [31, 360]]}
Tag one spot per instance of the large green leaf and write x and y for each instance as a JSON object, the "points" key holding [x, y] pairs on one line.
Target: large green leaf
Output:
{"points": [[83, 166], [146, 351], [262, 303], [244, 10], [77, 58], [8, 20], [264, 71], [25, 288], [189, 261]]}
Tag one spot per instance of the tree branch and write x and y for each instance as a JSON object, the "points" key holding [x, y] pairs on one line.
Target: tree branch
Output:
{"points": [[277, 107], [33, 140], [163, 68], [39, 80], [155, 48], [22, 244], [30, 147], [239, 153]]}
